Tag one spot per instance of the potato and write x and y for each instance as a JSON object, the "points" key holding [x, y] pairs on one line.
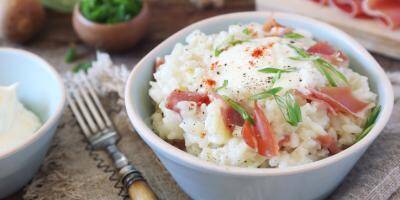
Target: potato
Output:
{"points": [[20, 20]]}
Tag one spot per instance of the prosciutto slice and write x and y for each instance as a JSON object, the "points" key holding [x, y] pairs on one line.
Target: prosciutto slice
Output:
{"points": [[340, 99], [328, 142], [260, 135], [387, 11], [322, 2], [329, 53], [353, 7], [177, 96]]}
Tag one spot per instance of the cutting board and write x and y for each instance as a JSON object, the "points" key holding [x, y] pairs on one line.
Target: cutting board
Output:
{"points": [[370, 33]]}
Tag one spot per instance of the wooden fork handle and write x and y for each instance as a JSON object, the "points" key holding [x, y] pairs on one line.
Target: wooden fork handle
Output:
{"points": [[140, 190], [136, 185]]}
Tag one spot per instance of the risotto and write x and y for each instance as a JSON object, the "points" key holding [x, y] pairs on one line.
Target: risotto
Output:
{"points": [[260, 95]]}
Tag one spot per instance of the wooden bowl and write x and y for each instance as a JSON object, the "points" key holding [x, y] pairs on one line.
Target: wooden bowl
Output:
{"points": [[111, 37]]}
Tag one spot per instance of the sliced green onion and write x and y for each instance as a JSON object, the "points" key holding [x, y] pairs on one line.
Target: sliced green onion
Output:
{"points": [[293, 35], [327, 65], [236, 106], [266, 94], [223, 86], [246, 31], [217, 52], [302, 53], [70, 55], [369, 124], [290, 108], [275, 70], [82, 66], [328, 70], [231, 42]]}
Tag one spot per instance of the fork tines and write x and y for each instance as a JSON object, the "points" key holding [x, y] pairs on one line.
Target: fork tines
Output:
{"points": [[86, 106]]}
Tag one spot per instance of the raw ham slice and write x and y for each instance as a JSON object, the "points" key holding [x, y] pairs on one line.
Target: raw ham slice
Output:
{"points": [[341, 99], [260, 136], [231, 117], [177, 96], [328, 142], [387, 11], [329, 53], [353, 7], [323, 104], [322, 2]]}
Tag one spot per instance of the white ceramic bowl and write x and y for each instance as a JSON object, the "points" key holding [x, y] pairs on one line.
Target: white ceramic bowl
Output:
{"points": [[205, 180], [41, 90]]}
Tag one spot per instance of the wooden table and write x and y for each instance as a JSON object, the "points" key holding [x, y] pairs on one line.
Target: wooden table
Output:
{"points": [[168, 16]]}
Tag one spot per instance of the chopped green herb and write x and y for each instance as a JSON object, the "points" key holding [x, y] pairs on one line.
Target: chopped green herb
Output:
{"points": [[82, 66], [369, 124], [266, 94], [246, 31], [231, 42], [275, 70], [217, 52], [70, 55], [236, 106], [332, 69], [290, 108], [330, 72], [293, 35], [110, 11], [223, 86], [302, 53], [276, 77]]}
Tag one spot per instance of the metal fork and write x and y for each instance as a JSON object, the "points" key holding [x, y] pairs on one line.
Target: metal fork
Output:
{"points": [[101, 135]]}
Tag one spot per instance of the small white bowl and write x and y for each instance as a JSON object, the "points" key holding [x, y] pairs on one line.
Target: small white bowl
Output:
{"points": [[42, 91], [205, 180]]}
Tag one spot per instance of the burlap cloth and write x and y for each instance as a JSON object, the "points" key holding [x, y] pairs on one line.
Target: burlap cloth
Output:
{"points": [[71, 172]]}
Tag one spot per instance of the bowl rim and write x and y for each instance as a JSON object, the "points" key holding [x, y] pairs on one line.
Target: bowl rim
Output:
{"points": [[53, 118], [183, 158]]}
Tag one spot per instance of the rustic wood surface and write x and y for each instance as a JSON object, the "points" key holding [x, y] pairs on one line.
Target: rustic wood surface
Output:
{"points": [[167, 17]]}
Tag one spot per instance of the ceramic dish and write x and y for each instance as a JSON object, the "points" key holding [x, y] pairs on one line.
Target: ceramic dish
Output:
{"points": [[41, 90], [205, 180], [112, 37]]}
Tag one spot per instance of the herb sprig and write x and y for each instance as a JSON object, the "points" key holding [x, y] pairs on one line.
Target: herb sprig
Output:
{"points": [[236, 106], [331, 74], [369, 124]]}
